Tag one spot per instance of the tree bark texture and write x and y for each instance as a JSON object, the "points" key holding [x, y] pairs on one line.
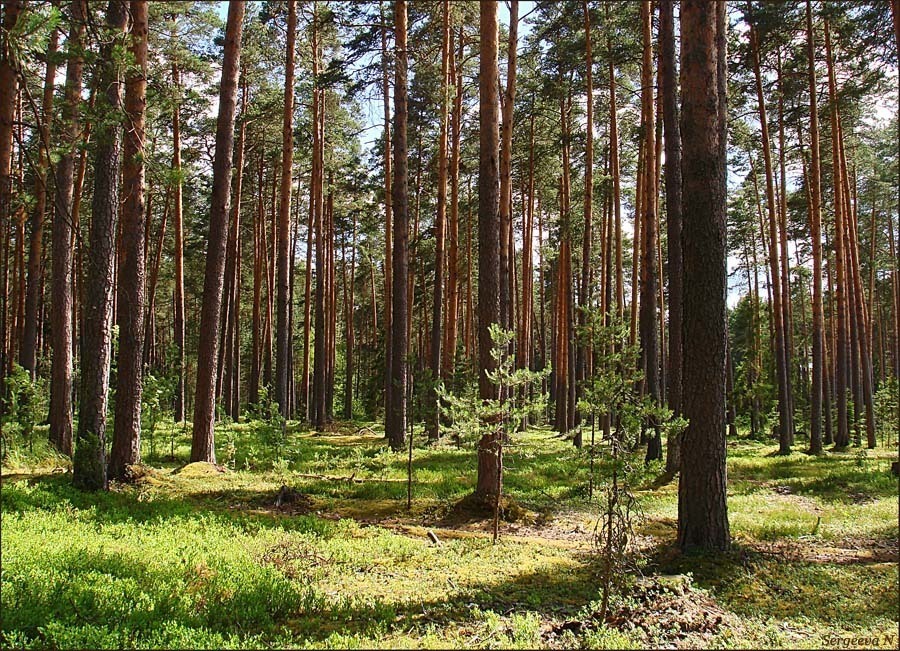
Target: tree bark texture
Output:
{"points": [[702, 510], [282, 335], [61, 299], [395, 419], [203, 441], [126, 447], [488, 238], [89, 464]]}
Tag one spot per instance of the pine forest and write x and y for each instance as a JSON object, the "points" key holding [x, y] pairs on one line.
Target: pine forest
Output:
{"points": [[449, 324]]}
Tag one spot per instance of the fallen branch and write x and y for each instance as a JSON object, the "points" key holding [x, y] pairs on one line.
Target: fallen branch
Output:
{"points": [[352, 479]]}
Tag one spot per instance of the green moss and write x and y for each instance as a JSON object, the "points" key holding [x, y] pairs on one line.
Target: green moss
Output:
{"points": [[204, 558]]}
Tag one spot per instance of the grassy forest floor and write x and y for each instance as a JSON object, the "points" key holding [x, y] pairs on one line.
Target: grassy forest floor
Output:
{"points": [[195, 556]]}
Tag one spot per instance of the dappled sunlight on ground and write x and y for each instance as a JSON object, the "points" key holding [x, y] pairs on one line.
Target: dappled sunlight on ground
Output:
{"points": [[309, 538]]}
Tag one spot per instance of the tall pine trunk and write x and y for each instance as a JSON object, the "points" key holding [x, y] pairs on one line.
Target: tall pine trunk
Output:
{"points": [[815, 228], [842, 435], [203, 442], [649, 336], [178, 227], [349, 328], [126, 446], [702, 509], [787, 317], [395, 418], [617, 193], [12, 10], [318, 410], [781, 362], [562, 368], [582, 352], [307, 275], [89, 464], [282, 334], [256, 315], [525, 345], [669, 95], [29, 349], [151, 354], [452, 316], [506, 127], [440, 224], [229, 371], [488, 240], [61, 297], [388, 217]]}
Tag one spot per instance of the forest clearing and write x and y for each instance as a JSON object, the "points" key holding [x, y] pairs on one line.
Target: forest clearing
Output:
{"points": [[199, 557], [435, 323]]}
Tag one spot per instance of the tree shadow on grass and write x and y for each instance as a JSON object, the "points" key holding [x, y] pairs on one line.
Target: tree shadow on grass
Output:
{"points": [[763, 585], [105, 585], [122, 591], [105, 592], [550, 593], [128, 506], [833, 478], [95, 590], [323, 502]]}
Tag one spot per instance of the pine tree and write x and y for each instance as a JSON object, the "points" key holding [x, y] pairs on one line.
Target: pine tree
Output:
{"points": [[702, 510], [203, 442]]}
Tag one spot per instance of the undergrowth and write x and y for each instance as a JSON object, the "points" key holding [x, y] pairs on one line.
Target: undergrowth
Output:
{"points": [[200, 558]]}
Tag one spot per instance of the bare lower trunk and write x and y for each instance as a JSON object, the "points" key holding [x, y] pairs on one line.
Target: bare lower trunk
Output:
{"points": [[307, 293], [320, 342], [151, 355], [8, 101], [452, 317], [395, 419], [649, 336], [282, 336], [350, 330], [668, 92], [126, 447], [178, 225], [89, 464], [439, 227], [258, 255], [583, 350], [488, 239], [815, 228], [228, 350], [702, 510], [842, 435], [388, 216], [61, 288], [506, 129], [203, 443], [28, 350], [781, 362]]}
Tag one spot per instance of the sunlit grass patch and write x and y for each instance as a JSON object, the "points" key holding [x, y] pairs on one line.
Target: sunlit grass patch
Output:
{"points": [[198, 556]]}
